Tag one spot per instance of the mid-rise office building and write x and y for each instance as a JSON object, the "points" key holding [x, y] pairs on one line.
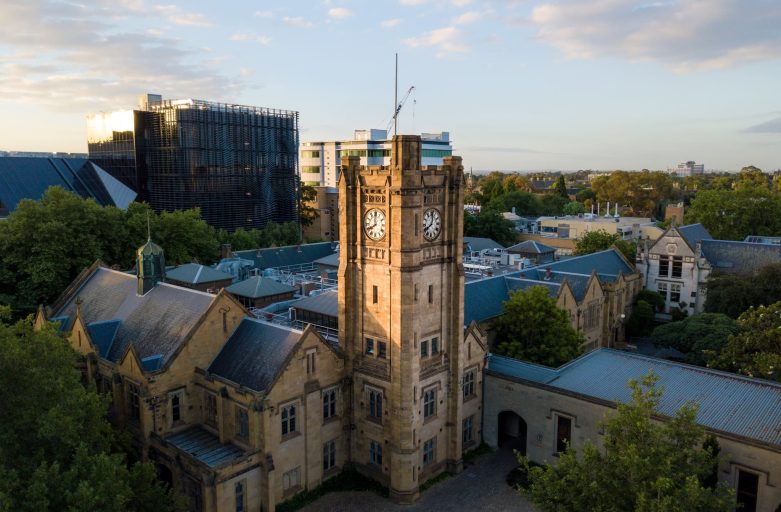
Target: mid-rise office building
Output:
{"points": [[320, 161], [689, 168], [236, 163]]}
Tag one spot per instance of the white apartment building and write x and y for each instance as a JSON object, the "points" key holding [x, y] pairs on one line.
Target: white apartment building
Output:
{"points": [[319, 161], [689, 168]]}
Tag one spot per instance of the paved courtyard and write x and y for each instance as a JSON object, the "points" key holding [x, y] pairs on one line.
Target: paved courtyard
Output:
{"points": [[480, 486]]}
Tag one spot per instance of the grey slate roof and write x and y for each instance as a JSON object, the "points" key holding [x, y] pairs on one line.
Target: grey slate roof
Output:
{"points": [[332, 260], [205, 447], [483, 298], [274, 257], [739, 257], [578, 283], [728, 403], [326, 303], [478, 244], [194, 273], [157, 323], [694, 233], [256, 287], [254, 354], [607, 262], [531, 247]]}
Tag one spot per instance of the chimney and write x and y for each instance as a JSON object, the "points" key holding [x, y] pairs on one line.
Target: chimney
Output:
{"points": [[226, 251]]}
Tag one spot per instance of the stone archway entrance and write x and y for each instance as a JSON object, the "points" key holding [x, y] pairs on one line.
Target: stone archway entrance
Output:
{"points": [[512, 432], [164, 474]]}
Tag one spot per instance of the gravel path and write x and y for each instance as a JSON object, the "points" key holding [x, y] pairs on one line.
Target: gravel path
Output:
{"points": [[480, 486]]}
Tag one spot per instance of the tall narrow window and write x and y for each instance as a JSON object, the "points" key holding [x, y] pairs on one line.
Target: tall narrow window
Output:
{"points": [[382, 350], [675, 293], [664, 266], [329, 455], [176, 406], [429, 403], [310, 362], [242, 423], [375, 453], [375, 295], [241, 499], [466, 431], [677, 266], [375, 405], [424, 348], [288, 420], [434, 346], [415, 293], [329, 404], [468, 386], [431, 294], [134, 402], [429, 454], [748, 490], [369, 347], [563, 432], [211, 409]]}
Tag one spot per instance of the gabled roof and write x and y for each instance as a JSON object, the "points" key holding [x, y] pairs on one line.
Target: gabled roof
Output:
{"points": [[609, 262], [156, 324], [193, 273], [103, 334], [332, 260], [478, 244], [205, 447], [274, 257], [28, 178], [739, 257], [255, 353], [578, 283], [693, 233], [326, 303], [531, 247], [483, 299], [256, 287], [729, 403]]}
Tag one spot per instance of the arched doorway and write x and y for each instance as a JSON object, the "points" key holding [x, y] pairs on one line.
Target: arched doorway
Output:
{"points": [[164, 474], [512, 432]]}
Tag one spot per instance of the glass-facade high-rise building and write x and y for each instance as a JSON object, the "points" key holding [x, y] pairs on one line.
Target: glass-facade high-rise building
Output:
{"points": [[236, 163]]}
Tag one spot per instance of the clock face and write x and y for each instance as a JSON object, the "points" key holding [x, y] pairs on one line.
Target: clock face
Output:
{"points": [[374, 224], [432, 224]]}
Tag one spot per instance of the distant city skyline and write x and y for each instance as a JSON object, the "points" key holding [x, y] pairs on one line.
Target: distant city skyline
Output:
{"points": [[526, 85]]}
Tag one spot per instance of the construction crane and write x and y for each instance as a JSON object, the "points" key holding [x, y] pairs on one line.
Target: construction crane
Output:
{"points": [[398, 110]]}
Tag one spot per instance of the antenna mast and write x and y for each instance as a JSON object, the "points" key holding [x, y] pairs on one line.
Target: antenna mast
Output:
{"points": [[396, 97]]}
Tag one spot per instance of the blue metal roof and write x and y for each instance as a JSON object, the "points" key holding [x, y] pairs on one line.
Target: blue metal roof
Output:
{"points": [[531, 247], [205, 447], [102, 334], [28, 178], [483, 299], [193, 273], [478, 244], [255, 287], [608, 262], [326, 303], [275, 257], [728, 403]]}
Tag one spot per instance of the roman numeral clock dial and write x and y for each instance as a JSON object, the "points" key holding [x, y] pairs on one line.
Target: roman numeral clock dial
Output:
{"points": [[374, 224], [432, 224]]}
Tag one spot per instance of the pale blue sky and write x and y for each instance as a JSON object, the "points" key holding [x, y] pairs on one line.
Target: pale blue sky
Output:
{"points": [[524, 84]]}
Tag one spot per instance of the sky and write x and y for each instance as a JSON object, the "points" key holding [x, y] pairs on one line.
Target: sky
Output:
{"points": [[519, 84]]}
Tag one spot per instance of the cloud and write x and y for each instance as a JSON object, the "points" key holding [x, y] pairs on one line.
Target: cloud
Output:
{"points": [[176, 15], [297, 21], [390, 23], [446, 40], [70, 57], [772, 126], [264, 14], [686, 35], [339, 13], [461, 3], [467, 18], [412, 2], [264, 40]]}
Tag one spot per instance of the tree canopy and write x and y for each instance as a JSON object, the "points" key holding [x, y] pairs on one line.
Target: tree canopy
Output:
{"points": [[639, 193], [732, 294], [696, 336], [490, 224], [533, 328], [57, 450], [735, 214], [599, 240], [756, 350], [644, 466]]}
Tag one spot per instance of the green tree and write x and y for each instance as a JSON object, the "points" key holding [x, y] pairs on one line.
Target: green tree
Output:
{"points": [[552, 204], [696, 336], [644, 467], [751, 177], [309, 212], [560, 188], [594, 241], [490, 224], [732, 294], [735, 214], [756, 350], [524, 203], [641, 321], [639, 193], [655, 299], [573, 208], [533, 328], [584, 195], [56, 445]]}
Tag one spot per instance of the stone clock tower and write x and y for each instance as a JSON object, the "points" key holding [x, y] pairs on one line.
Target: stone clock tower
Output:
{"points": [[413, 368]]}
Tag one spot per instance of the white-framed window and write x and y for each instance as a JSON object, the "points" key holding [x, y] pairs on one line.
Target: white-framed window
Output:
{"points": [[375, 453], [429, 402], [291, 479], [288, 415], [429, 451], [675, 293], [329, 403], [329, 455]]}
